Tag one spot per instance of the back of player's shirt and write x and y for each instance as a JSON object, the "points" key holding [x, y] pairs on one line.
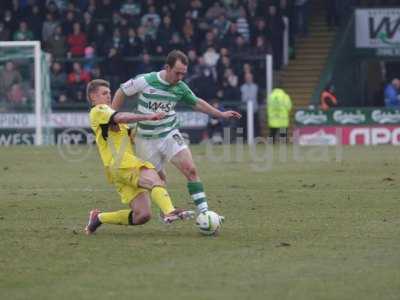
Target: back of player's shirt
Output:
{"points": [[157, 95], [112, 139]]}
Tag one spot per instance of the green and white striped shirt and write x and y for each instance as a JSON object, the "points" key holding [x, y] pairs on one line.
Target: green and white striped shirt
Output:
{"points": [[157, 95]]}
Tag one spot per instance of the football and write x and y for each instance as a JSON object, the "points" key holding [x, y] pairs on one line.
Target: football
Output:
{"points": [[209, 223]]}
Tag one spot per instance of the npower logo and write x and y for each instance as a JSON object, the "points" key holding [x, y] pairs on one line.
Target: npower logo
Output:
{"points": [[374, 136]]}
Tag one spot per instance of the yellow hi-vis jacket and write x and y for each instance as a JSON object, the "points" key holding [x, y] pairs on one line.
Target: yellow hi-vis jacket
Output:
{"points": [[278, 109]]}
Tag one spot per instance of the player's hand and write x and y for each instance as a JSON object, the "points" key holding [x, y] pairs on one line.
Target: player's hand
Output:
{"points": [[156, 116], [231, 114]]}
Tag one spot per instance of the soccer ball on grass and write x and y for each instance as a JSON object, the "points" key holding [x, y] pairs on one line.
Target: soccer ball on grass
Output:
{"points": [[208, 223]]}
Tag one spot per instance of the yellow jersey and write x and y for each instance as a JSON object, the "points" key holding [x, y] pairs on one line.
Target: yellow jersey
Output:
{"points": [[112, 139]]}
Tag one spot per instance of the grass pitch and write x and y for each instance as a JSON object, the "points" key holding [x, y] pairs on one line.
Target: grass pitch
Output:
{"points": [[314, 226]]}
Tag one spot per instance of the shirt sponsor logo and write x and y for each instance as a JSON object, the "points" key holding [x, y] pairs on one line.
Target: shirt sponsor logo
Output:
{"points": [[160, 106]]}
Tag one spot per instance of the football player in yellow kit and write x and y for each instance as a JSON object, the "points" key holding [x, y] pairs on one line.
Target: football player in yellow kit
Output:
{"points": [[135, 180]]}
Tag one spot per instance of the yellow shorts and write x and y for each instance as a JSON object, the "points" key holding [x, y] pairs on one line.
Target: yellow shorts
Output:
{"points": [[126, 180]]}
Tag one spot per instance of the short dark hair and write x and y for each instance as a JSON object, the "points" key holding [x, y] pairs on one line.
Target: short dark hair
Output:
{"points": [[93, 85], [176, 55]]}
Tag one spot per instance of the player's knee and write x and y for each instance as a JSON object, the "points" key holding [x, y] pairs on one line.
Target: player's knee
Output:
{"points": [[158, 182], [142, 217], [150, 180]]}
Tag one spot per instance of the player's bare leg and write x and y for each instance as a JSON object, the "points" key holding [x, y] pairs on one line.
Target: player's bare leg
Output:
{"points": [[183, 161]]}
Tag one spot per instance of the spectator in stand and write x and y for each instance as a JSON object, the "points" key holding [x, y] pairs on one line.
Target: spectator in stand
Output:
{"points": [[23, 33], [328, 97], [286, 9], [233, 9], [35, 21], [151, 16], [68, 23], [124, 27], [230, 86], [145, 65], [99, 39], [58, 78], [77, 41], [230, 37], [116, 41], [211, 57], [164, 35], [88, 24], [223, 64], [276, 26], [145, 39], [89, 59], [4, 32], [222, 24], [223, 51], [189, 39], [10, 21], [17, 94], [131, 9], [52, 8], [105, 9], [332, 13], [77, 79], [215, 11], [242, 24], [209, 41], [204, 86], [215, 126], [301, 8], [175, 42], [49, 26], [9, 75], [249, 93], [391, 93], [114, 67], [240, 48], [56, 44], [191, 71], [91, 8], [150, 29], [96, 72], [260, 47], [132, 46], [252, 9], [259, 29], [195, 10]]}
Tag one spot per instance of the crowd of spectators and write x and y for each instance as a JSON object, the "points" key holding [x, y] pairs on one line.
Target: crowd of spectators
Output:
{"points": [[118, 39], [225, 40]]}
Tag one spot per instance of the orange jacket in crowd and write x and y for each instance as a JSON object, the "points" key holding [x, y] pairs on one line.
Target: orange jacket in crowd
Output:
{"points": [[327, 99]]}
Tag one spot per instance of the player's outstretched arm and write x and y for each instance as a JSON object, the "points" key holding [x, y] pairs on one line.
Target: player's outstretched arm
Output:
{"points": [[206, 108], [118, 99], [126, 117]]}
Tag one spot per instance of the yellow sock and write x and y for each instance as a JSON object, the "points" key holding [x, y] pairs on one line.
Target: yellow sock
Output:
{"points": [[161, 198], [120, 217]]}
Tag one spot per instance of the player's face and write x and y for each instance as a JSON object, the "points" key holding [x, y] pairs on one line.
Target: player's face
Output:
{"points": [[102, 96], [176, 73]]}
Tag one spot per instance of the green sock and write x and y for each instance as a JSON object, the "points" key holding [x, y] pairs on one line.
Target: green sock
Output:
{"points": [[199, 198]]}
